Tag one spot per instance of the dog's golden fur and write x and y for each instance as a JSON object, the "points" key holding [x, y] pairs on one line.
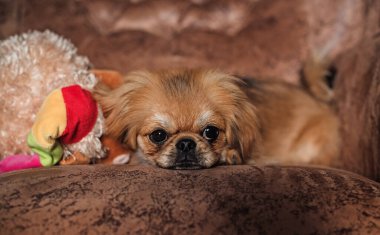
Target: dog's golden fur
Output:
{"points": [[296, 128], [257, 121]]}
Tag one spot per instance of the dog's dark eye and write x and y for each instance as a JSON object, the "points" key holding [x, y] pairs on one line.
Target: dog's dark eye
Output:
{"points": [[158, 136], [210, 133]]}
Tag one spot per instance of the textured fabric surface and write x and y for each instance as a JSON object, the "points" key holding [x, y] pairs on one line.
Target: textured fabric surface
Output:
{"points": [[222, 200], [263, 38], [358, 100]]}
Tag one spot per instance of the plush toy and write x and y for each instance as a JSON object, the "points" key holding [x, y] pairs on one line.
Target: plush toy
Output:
{"points": [[41, 71], [67, 116]]}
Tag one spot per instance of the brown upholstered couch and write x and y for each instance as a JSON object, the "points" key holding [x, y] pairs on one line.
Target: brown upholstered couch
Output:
{"points": [[222, 200], [258, 38]]}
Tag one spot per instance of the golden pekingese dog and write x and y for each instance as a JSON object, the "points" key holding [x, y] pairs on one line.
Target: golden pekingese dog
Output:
{"points": [[191, 119]]}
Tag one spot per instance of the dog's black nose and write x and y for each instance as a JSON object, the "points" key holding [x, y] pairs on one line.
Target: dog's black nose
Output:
{"points": [[186, 145], [186, 155]]}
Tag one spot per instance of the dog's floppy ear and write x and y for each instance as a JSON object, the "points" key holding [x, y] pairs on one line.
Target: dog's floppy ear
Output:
{"points": [[111, 102], [243, 131], [108, 80], [119, 106], [243, 127]]}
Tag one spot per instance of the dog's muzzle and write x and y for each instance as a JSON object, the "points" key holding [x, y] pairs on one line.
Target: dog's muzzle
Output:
{"points": [[186, 155]]}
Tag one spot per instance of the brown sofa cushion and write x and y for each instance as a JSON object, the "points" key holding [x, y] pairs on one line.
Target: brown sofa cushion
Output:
{"points": [[223, 200]]}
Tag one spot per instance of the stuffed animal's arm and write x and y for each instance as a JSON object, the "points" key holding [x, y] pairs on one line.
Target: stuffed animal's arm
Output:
{"points": [[49, 125]]}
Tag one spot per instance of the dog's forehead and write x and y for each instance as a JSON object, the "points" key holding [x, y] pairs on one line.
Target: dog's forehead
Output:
{"points": [[180, 116], [177, 121], [179, 82], [204, 117], [182, 101], [163, 120], [181, 87], [180, 120]]}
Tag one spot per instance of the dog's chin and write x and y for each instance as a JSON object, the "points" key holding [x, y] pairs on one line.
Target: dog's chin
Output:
{"points": [[186, 166], [170, 159]]}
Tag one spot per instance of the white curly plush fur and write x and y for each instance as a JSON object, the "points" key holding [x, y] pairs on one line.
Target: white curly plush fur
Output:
{"points": [[31, 66]]}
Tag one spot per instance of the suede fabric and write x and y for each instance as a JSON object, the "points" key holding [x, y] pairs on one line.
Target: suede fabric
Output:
{"points": [[222, 200]]}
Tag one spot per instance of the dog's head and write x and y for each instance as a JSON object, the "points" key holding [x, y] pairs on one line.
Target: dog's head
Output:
{"points": [[182, 119]]}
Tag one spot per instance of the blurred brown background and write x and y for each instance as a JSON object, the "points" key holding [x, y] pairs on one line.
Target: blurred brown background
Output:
{"points": [[259, 38]]}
